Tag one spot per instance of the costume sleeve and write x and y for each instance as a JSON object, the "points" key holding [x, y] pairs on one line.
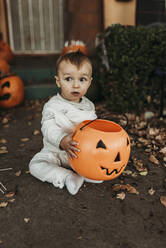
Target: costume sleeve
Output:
{"points": [[52, 133], [52, 130]]}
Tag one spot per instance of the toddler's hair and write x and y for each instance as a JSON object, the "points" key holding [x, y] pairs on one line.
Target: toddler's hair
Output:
{"points": [[75, 58]]}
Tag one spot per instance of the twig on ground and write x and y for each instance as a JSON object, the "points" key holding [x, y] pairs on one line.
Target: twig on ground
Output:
{"points": [[3, 189], [6, 169]]}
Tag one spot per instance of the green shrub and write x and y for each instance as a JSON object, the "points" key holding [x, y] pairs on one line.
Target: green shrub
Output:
{"points": [[127, 58]]}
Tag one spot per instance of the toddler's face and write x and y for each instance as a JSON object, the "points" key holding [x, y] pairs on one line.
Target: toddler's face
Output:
{"points": [[74, 82]]}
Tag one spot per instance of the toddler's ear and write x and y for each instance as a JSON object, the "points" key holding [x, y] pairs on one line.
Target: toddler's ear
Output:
{"points": [[57, 81]]}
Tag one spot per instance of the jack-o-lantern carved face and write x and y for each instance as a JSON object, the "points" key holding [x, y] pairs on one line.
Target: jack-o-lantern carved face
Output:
{"points": [[104, 150], [11, 91]]}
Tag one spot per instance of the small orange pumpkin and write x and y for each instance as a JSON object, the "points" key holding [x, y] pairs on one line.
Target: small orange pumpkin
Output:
{"points": [[5, 52], [74, 46], [11, 91], [4, 67], [104, 150]]}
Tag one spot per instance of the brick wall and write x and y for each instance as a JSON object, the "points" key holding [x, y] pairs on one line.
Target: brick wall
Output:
{"points": [[83, 21]]}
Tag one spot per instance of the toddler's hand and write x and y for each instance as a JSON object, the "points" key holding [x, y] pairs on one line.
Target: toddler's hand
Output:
{"points": [[69, 146]]}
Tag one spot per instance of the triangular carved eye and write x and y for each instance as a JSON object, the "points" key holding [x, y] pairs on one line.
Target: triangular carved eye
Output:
{"points": [[100, 144], [6, 84], [117, 159], [128, 142]]}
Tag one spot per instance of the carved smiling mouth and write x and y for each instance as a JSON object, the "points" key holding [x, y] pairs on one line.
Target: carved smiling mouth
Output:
{"points": [[109, 172]]}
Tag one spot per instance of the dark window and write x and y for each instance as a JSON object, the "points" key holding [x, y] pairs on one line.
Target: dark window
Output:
{"points": [[150, 11]]}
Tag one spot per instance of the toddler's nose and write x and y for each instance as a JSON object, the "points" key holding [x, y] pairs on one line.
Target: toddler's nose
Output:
{"points": [[75, 84]]}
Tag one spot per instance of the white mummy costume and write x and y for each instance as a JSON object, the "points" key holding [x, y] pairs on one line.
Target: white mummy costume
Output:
{"points": [[59, 118]]}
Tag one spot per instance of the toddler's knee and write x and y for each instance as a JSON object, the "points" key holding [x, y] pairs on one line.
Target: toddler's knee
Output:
{"points": [[35, 171], [32, 169]]}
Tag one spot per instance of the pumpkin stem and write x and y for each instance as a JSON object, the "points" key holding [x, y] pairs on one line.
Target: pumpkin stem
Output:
{"points": [[3, 75]]}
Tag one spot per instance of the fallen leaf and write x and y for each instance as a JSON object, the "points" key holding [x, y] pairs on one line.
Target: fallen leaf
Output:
{"points": [[144, 173], [134, 174], [153, 159], [148, 150], [128, 187], [6, 126], [138, 164], [148, 115], [127, 172], [141, 133], [141, 124], [3, 141], [5, 120], [26, 220], [130, 116], [158, 137], [3, 148], [143, 141], [139, 145], [163, 200], [36, 132], [25, 139], [151, 191], [3, 151], [10, 194], [22, 145], [121, 196], [11, 200], [80, 237], [3, 204], [163, 150], [18, 173], [153, 131]]}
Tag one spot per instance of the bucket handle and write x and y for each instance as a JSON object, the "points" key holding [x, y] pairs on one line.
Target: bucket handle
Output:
{"points": [[125, 127]]}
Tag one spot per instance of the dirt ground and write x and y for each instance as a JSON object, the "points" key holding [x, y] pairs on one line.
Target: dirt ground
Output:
{"points": [[128, 212]]}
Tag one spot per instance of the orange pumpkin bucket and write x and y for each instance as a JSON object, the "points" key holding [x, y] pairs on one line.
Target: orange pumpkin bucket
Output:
{"points": [[104, 149]]}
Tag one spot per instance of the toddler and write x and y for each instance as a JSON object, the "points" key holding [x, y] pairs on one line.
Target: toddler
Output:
{"points": [[59, 117]]}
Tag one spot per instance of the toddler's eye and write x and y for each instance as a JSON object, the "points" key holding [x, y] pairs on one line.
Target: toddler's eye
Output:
{"points": [[68, 79], [83, 79]]}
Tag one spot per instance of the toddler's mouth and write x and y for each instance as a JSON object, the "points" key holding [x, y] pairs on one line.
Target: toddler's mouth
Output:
{"points": [[75, 93]]}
